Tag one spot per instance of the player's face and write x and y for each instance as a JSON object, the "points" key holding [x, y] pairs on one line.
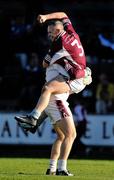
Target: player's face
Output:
{"points": [[52, 32]]}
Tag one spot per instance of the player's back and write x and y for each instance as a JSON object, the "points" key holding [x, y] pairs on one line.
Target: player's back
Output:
{"points": [[71, 43]]}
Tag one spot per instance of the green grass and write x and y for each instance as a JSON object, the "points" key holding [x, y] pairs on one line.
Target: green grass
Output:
{"points": [[34, 169]]}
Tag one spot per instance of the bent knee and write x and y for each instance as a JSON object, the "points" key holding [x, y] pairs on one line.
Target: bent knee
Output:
{"points": [[71, 134], [75, 134], [61, 137]]}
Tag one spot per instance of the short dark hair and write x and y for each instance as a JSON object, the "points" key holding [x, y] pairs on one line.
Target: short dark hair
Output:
{"points": [[54, 22]]}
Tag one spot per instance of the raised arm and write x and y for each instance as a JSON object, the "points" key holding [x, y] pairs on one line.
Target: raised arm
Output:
{"points": [[56, 15]]}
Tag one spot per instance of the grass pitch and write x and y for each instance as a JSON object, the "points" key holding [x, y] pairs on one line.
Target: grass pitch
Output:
{"points": [[34, 169]]}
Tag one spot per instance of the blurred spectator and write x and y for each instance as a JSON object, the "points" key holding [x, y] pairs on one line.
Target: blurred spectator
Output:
{"points": [[22, 57], [32, 82], [19, 27], [106, 40], [80, 118], [104, 95], [107, 44]]}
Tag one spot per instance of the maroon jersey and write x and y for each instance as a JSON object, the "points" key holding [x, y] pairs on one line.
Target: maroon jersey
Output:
{"points": [[67, 51]]}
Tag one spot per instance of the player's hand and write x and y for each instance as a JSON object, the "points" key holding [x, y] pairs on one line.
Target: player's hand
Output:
{"points": [[88, 78], [41, 18]]}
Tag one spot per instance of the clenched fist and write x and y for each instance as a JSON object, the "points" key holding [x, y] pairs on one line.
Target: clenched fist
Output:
{"points": [[41, 18]]}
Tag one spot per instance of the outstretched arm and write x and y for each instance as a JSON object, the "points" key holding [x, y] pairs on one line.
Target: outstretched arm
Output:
{"points": [[56, 15]]}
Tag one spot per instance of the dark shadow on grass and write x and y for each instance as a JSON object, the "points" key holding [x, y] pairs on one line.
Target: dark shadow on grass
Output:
{"points": [[21, 173]]}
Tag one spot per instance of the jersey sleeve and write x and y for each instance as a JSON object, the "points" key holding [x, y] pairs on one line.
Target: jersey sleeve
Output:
{"points": [[68, 25]]}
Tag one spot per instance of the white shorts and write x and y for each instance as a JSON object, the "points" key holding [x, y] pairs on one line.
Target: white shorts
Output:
{"points": [[58, 108], [54, 70], [76, 85]]}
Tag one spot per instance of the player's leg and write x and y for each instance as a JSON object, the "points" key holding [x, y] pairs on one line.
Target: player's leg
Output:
{"points": [[57, 85], [60, 113], [55, 151], [68, 128]]}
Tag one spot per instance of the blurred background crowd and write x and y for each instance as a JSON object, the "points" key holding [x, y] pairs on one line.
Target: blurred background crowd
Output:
{"points": [[23, 44]]}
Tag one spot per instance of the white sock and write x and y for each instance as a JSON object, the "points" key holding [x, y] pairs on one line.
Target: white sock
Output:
{"points": [[35, 113], [53, 165], [62, 165]]}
